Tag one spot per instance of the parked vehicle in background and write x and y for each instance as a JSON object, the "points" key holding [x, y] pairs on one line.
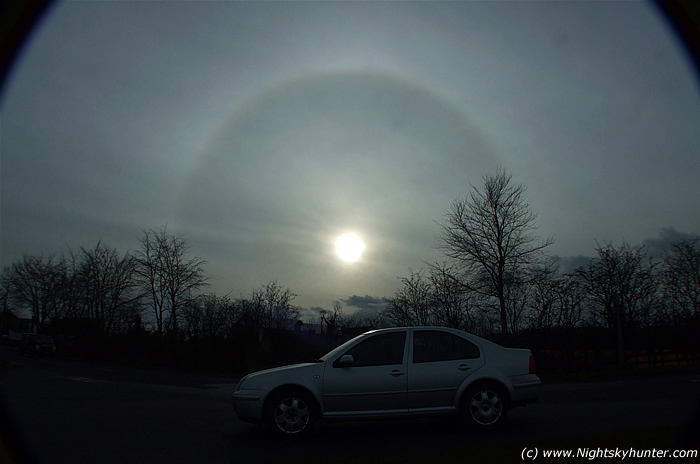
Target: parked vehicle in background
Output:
{"points": [[401, 372], [37, 344]]}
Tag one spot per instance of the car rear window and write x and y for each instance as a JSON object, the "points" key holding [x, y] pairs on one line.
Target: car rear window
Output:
{"points": [[436, 345]]}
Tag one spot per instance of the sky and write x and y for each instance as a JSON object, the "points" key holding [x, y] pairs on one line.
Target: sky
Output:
{"points": [[262, 131]]}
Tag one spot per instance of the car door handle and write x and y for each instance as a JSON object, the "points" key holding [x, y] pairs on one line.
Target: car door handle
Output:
{"points": [[396, 373], [463, 367]]}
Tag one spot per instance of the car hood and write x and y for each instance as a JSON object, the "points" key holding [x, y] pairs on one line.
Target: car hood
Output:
{"points": [[295, 373], [273, 370]]}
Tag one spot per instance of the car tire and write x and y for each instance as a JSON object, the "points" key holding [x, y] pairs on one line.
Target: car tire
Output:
{"points": [[484, 407], [291, 412]]}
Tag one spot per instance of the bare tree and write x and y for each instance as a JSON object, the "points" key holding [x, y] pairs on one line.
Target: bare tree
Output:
{"points": [[519, 294], [491, 234], [573, 300], [544, 300], [333, 319], [209, 316], [365, 319], [6, 289], [109, 283], [36, 286], [168, 275], [453, 301], [412, 303], [270, 307], [622, 281], [5, 295], [556, 300], [71, 297], [682, 278]]}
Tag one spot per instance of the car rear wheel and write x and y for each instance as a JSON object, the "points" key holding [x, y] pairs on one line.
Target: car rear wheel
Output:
{"points": [[292, 412], [484, 407]]}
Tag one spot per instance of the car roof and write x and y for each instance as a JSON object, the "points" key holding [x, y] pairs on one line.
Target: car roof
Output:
{"points": [[472, 337]]}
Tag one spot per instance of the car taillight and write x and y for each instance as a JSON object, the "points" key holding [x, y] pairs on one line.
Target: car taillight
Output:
{"points": [[532, 364]]}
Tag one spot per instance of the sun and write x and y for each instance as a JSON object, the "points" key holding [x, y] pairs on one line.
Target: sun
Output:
{"points": [[349, 247]]}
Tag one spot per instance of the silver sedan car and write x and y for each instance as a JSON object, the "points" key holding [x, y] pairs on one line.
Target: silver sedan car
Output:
{"points": [[399, 372]]}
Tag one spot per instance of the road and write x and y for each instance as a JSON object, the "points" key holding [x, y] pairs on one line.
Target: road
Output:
{"points": [[78, 412]]}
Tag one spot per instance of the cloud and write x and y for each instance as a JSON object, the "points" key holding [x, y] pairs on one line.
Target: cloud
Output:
{"points": [[314, 311], [655, 247], [568, 263], [658, 246], [372, 304]]}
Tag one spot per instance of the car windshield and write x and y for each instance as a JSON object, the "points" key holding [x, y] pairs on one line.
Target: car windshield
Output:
{"points": [[337, 350]]}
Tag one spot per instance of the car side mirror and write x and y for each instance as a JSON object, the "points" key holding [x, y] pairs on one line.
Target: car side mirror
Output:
{"points": [[346, 360]]}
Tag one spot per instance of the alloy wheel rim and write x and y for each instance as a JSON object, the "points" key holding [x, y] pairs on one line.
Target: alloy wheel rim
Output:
{"points": [[292, 415], [486, 407]]}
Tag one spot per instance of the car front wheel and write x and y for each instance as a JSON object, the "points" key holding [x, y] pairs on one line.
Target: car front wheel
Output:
{"points": [[484, 407], [291, 412]]}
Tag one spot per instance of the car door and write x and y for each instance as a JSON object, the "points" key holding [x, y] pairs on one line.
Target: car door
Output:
{"points": [[374, 382], [440, 362]]}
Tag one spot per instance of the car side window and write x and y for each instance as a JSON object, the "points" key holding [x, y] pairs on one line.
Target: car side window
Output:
{"points": [[435, 345], [379, 350]]}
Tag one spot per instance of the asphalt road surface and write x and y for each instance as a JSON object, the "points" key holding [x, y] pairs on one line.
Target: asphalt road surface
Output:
{"points": [[75, 412]]}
